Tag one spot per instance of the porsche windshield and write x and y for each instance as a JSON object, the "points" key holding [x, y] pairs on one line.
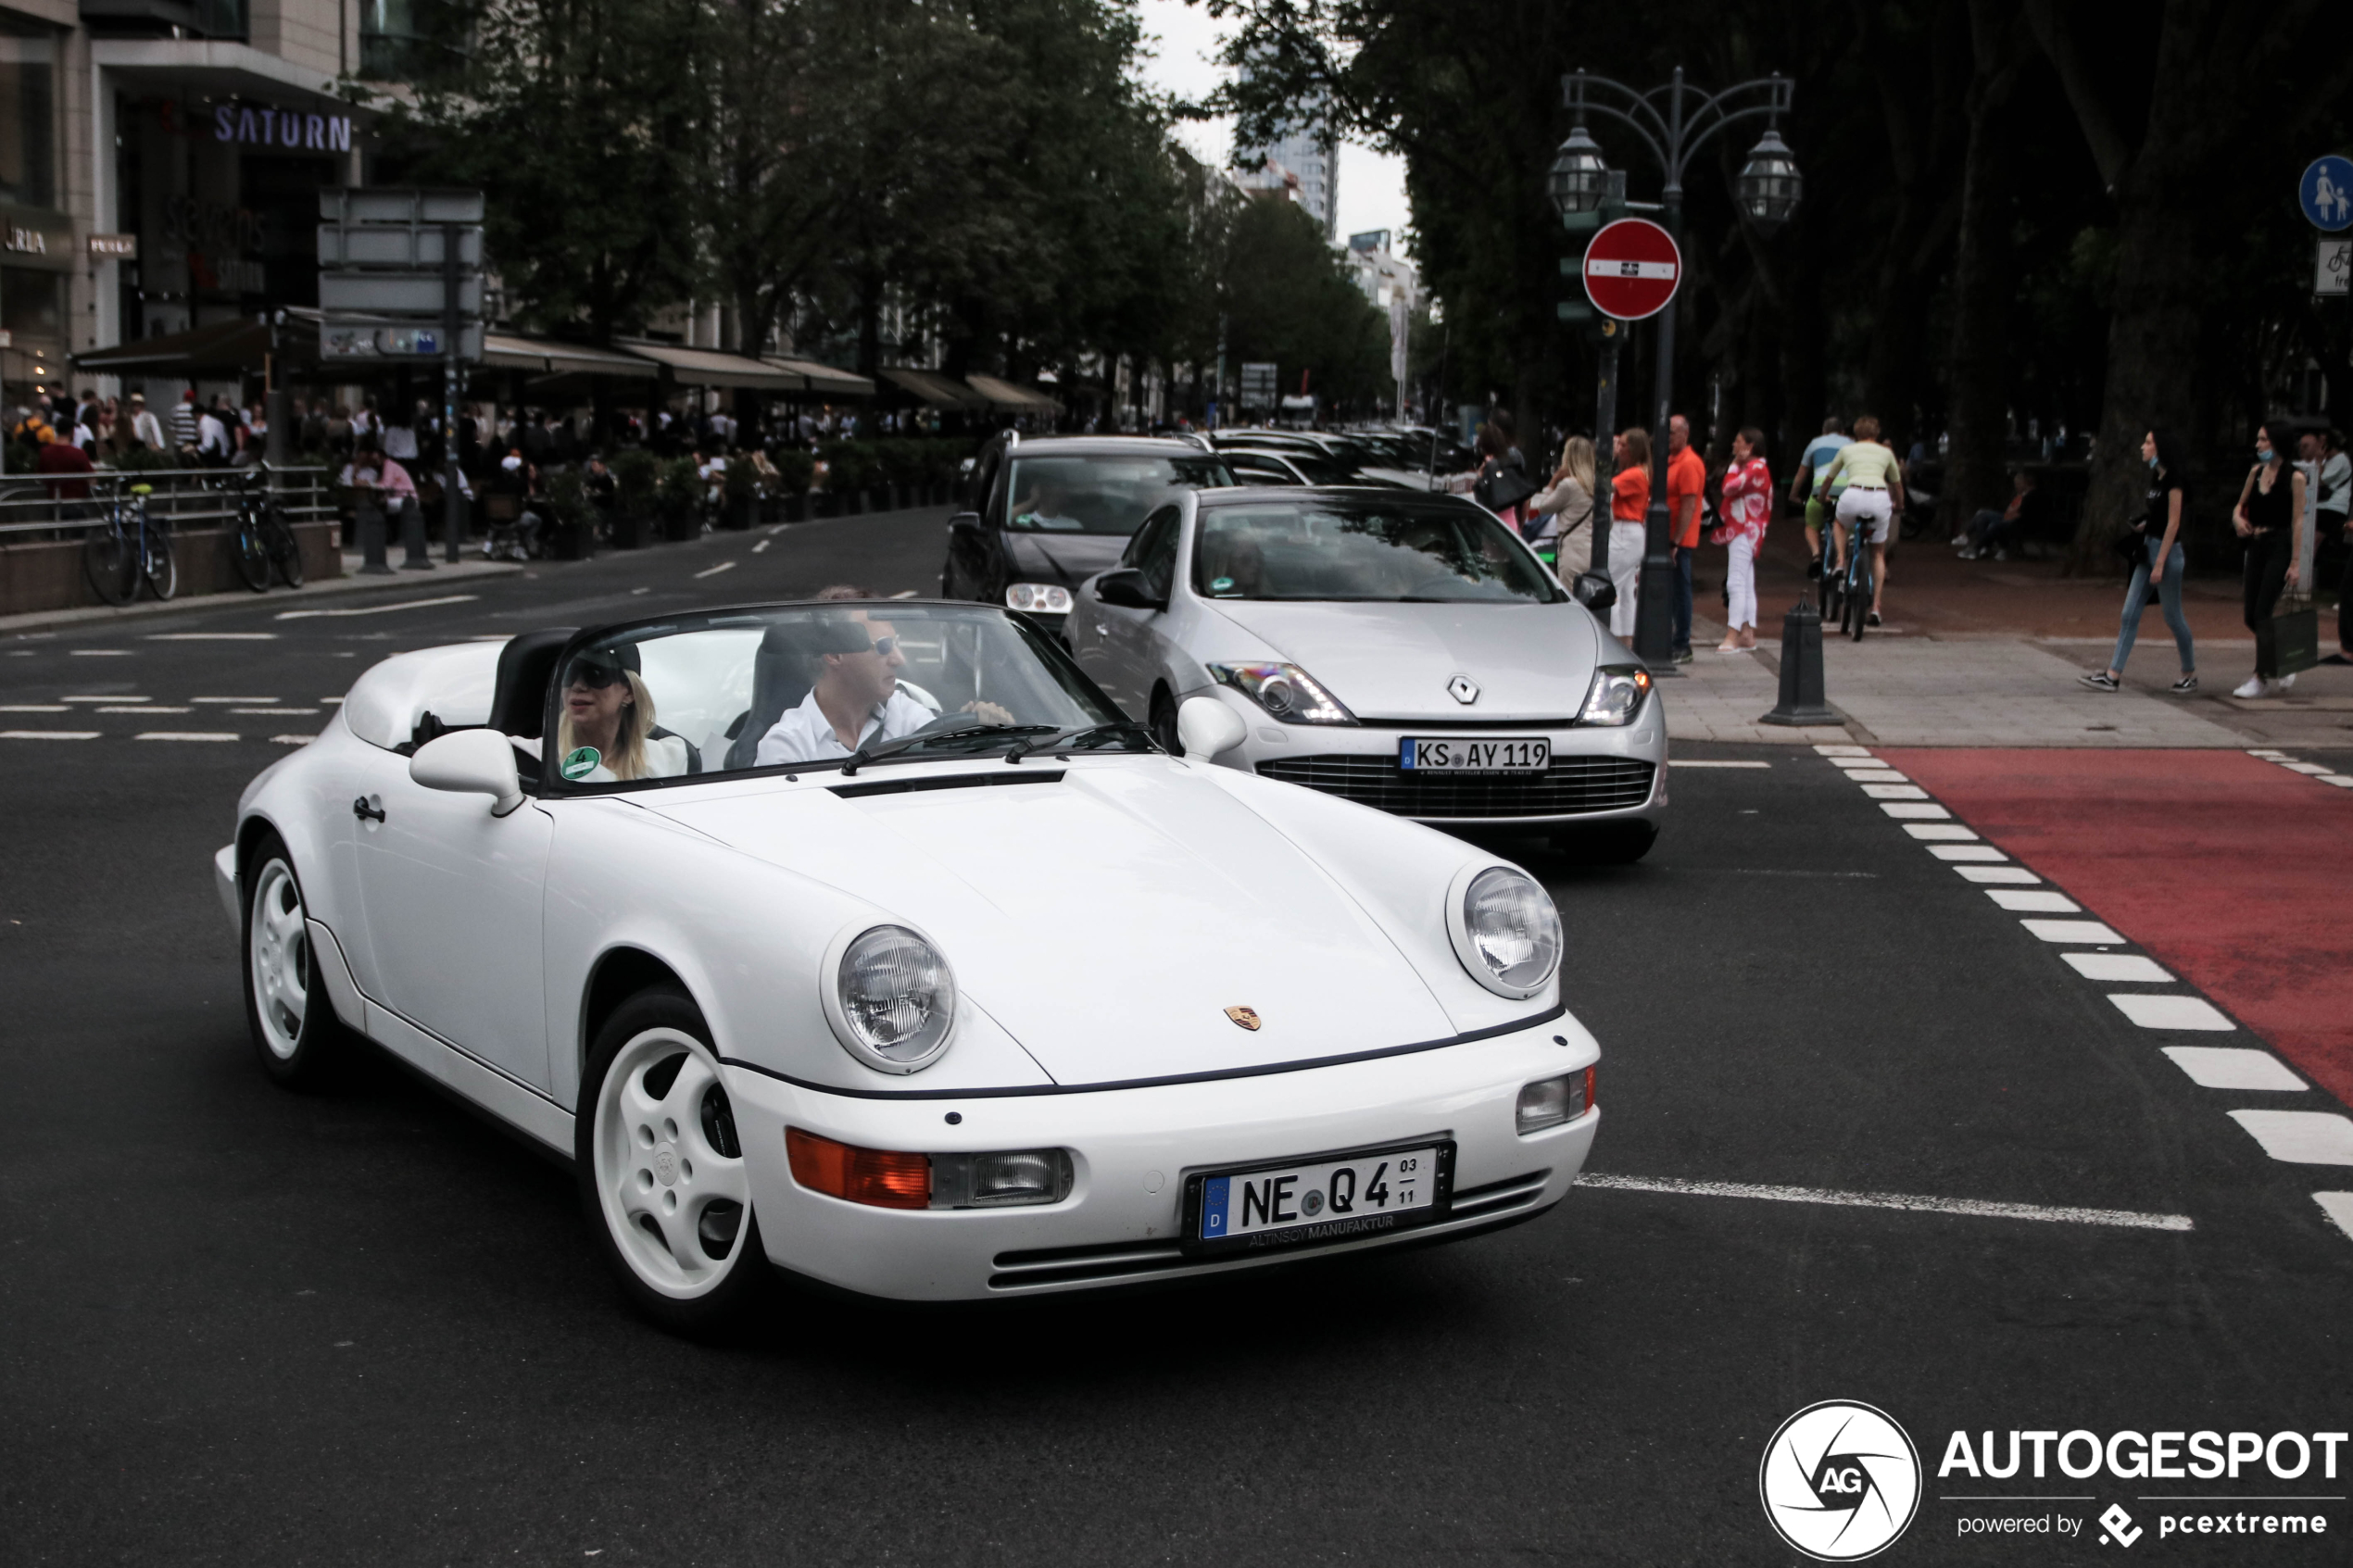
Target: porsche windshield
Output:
{"points": [[1324, 549], [1103, 493], [835, 684]]}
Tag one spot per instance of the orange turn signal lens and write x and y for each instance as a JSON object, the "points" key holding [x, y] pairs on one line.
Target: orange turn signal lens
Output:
{"points": [[883, 1178]]}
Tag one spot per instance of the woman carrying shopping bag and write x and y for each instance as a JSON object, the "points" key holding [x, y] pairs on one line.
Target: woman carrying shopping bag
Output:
{"points": [[1747, 492], [2156, 554], [2269, 517]]}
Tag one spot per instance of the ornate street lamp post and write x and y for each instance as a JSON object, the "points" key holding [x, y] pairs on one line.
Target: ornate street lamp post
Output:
{"points": [[1673, 121]]}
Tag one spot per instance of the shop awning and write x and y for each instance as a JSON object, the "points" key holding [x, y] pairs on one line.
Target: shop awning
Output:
{"points": [[542, 356], [711, 367], [1004, 396], [823, 380], [937, 390], [224, 348]]}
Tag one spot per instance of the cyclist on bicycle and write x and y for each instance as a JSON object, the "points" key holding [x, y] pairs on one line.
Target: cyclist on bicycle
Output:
{"points": [[1873, 494], [1807, 485]]}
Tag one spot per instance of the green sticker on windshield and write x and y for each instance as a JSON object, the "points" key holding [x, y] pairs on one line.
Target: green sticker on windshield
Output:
{"points": [[1220, 585], [583, 763]]}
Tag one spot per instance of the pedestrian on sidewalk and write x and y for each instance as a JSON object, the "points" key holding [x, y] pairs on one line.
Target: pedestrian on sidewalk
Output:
{"points": [[1561, 518], [1630, 503], [2159, 555], [1747, 492], [2269, 517], [1867, 507], [1686, 484], [2335, 493]]}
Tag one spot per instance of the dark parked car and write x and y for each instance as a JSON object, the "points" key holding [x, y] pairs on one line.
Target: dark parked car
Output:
{"points": [[1042, 516]]}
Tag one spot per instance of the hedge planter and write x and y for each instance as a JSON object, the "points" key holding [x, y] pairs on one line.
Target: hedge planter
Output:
{"points": [[740, 513], [628, 531], [797, 508]]}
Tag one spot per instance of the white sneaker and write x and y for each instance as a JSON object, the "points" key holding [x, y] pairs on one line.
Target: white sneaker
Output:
{"points": [[2253, 687], [2285, 681]]}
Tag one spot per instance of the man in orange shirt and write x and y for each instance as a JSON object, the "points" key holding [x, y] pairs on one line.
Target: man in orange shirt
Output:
{"points": [[1686, 477]]}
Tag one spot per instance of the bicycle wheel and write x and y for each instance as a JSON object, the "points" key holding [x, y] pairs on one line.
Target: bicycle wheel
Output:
{"points": [[285, 549], [158, 562], [110, 563], [253, 555], [1858, 597]]}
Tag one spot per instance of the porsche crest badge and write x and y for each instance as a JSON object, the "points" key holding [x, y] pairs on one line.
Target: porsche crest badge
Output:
{"points": [[1246, 1017]]}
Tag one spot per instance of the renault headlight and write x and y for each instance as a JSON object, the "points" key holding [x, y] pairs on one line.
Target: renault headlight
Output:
{"points": [[890, 997], [1285, 691], [1615, 695], [1506, 931], [1038, 598]]}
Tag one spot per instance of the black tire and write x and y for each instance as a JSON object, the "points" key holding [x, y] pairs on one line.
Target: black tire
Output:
{"points": [[711, 1292], [286, 550], [1607, 844], [253, 557], [161, 562], [1859, 610], [111, 563], [1164, 723], [288, 1012]]}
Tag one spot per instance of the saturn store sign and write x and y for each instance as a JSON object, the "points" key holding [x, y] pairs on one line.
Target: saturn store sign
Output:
{"points": [[266, 127]]}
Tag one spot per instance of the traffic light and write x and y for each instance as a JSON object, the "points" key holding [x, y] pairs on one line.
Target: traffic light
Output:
{"points": [[1578, 310]]}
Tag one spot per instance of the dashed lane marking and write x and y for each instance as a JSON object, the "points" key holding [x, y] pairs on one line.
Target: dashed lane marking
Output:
{"points": [[271, 712], [34, 708], [2086, 932], [212, 636], [716, 570], [1893, 791], [377, 609], [48, 734], [2033, 902], [2229, 1067], [184, 735], [293, 740], [2300, 1137], [1909, 1202], [2337, 1206], [1940, 830], [1711, 762], [2312, 769], [1965, 852], [906, 593], [226, 701], [1996, 873], [106, 700], [1877, 776], [100, 653], [762, 545], [2157, 1011], [125, 708], [1843, 751], [2119, 968], [1913, 811]]}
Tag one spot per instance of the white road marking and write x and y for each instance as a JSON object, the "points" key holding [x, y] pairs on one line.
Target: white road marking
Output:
{"points": [[1893, 791], [230, 700], [212, 636], [336, 700], [184, 734], [377, 609], [1972, 1207], [106, 700], [762, 545], [635, 592], [2221, 1067], [1856, 764], [777, 527], [1712, 762], [2035, 902], [1912, 810], [1877, 776], [2313, 769], [2156, 1012], [1965, 852], [2337, 1206], [34, 708], [2341, 781], [2128, 968], [2268, 755], [1940, 830], [1841, 751], [713, 572], [100, 653], [2089, 933], [293, 740], [48, 734], [1996, 873], [2300, 1137], [124, 707], [273, 712]]}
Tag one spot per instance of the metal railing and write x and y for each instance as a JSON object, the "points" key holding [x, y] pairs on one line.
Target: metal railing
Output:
{"points": [[181, 498]]}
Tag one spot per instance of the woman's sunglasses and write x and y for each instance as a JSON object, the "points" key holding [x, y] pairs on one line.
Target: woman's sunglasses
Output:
{"points": [[596, 677]]}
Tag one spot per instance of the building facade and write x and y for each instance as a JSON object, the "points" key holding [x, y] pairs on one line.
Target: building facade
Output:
{"points": [[1306, 153]]}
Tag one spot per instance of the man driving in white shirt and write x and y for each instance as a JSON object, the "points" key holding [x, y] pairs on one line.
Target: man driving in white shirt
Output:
{"points": [[856, 700]]}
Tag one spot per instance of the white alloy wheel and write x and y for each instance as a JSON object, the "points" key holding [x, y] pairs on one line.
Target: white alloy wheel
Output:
{"points": [[278, 953], [669, 1170]]}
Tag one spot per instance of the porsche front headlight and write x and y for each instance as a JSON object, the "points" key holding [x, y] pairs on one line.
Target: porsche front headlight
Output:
{"points": [[1285, 691], [1506, 931], [894, 1000]]}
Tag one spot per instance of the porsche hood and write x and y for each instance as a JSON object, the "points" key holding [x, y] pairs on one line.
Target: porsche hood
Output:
{"points": [[1122, 922]]}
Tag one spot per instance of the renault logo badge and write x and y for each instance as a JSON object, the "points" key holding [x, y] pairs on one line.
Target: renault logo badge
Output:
{"points": [[1463, 689], [1246, 1017]]}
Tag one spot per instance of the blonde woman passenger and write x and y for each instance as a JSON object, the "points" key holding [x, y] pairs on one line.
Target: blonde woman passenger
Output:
{"points": [[1560, 517], [607, 734]]}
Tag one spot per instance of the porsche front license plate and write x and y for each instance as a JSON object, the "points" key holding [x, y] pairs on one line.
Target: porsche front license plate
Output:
{"points": [[1323, 1199], [1465, 754]]}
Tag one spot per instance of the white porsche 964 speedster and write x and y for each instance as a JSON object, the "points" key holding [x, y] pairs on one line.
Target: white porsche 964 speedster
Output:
{"points": [[869, 940]]}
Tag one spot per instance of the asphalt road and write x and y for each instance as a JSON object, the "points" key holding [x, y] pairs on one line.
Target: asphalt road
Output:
{"points": [[362, 1326]]}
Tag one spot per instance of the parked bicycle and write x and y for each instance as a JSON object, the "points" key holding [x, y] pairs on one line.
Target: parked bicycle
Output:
{"points": [[130, 548], [263, 539]]}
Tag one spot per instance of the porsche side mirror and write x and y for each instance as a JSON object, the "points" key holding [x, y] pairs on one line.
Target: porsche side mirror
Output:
{"points": [[1126, 588], [964, 524], [1207, 727], [1594, 591], [470, 762]]}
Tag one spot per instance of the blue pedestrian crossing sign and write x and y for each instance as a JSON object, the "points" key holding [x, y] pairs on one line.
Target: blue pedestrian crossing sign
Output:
{"points": [[2326, 192]]}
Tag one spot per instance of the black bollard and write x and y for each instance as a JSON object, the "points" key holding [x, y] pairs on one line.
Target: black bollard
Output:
{"points": [[370, 519], [1801, 669], [412, 535]]}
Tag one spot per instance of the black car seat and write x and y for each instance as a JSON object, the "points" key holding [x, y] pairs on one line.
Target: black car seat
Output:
{"points": [[782, 672]]}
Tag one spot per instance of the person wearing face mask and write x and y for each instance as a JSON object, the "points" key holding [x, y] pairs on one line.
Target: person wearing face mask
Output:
{"points": [[2269, 517], [2158, 568]]}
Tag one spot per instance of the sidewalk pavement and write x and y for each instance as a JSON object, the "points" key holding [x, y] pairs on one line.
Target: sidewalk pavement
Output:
{"points": [[472, 567]]}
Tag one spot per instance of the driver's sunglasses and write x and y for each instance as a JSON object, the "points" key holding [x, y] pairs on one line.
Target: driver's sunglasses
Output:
{"points": [[887, 646], [596, 677]]}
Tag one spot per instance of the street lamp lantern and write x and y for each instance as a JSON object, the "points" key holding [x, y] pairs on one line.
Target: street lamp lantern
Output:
{"points": [[1580, 176], [1769, 184]]}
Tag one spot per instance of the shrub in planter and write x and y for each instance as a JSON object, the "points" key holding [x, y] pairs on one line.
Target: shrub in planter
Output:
{"points": [[637, 474], [741, 493], [678, 499], [570, 532]]}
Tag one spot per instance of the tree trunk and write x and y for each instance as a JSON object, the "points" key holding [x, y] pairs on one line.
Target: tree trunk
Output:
{"points": [[1983, 280]]}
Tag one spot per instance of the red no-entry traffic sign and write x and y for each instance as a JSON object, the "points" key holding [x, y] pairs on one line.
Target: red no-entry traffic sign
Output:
{"points": [[1631, 268]]}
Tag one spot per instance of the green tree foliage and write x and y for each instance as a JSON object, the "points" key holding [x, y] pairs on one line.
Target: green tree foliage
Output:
{"points": [[1288, 301]]}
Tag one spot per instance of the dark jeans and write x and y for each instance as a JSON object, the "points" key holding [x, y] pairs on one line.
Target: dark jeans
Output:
{"points": [[1683, 598], [2268, 557], [1989, 530]]}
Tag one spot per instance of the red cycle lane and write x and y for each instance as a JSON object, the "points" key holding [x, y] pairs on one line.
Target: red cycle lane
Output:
{"points": [[2232, 871]]}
